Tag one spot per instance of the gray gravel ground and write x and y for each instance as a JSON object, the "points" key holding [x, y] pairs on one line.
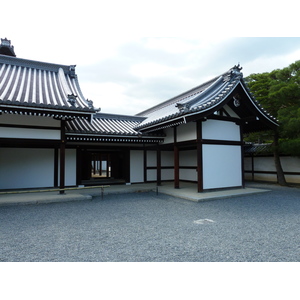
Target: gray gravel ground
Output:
{"points": [[146, 227]]}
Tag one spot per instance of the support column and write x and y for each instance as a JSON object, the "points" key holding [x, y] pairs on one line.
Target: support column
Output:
{"points": [[176, 160], [56, 167], [242, 156], [62, 156], [199, 157], [145, 165], [158, 166]]}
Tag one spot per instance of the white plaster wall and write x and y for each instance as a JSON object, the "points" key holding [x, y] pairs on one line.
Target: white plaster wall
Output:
{"points": [[29, 133], [167, 158], [136, 166], [289, 164], [151, 175], [70, 165], [28, 120], [169, 138], [186, 132], [188, 158], [264, 163], [151, 158], [26, 168], [188, 174], [220, 130], [221, 166], [167, 174]]}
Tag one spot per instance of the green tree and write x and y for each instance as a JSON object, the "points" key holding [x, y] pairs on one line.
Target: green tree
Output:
{"points": [[279, 93]]}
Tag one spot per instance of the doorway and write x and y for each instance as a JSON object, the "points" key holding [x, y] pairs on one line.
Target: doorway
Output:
{"points": [[104, 167]]}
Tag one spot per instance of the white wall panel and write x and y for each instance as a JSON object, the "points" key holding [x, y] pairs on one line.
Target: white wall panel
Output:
{"points": [[136, 166], [29, 133], [167, 174], [221, 166], [186, 132], [151, 175], [151, 158], [28, 120], [71, 170], [220, 130], [188, 174], [169, 138], [26, 168], [188, 158], [167, 158]]}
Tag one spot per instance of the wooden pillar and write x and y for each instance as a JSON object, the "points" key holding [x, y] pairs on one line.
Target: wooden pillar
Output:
{"points": [[176, 160], [242, 156], [158, 166], [56, 167], [62, 156], [199, 157], [145, 164]]}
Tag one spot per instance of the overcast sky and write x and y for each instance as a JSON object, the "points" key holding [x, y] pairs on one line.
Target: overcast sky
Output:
{"points": [[125, 72]]}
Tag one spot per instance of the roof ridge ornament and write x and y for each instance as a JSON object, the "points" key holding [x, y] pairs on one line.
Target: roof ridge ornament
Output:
{"points": [[6, 48], [72, 73], [72, 99], [234, 72]]}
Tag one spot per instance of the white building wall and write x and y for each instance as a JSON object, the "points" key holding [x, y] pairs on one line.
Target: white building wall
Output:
{"points": [[221, 166], [52, 133], [70, 165], [188, 158], [136, 166], [26, 168], [29, 133], [169, 138], [151, 159], [167, 159], [220, 130], [151, 175], [186, 132]]}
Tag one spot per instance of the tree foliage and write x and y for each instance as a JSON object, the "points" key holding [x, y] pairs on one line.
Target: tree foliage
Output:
{"points": [[279, 93]]}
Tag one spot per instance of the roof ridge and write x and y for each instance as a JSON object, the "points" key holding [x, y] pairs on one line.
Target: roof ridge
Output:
{"points": [[23, 62]]}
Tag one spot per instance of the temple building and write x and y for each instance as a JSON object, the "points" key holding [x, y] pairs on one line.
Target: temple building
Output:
{"points": [[52, 136]]}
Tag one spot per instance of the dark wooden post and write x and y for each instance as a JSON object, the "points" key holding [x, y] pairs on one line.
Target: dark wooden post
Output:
{"points": [[242, 155], [145, 164], [158, 166], [56, 167], [199, 156], [176, 160], [62, 156]]}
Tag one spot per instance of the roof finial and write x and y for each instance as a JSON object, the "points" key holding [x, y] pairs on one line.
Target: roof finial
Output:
{"points": [[6, 48]]}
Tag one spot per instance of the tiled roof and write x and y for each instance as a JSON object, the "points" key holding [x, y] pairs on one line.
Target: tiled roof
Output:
{"points": [[36, 84], [105, 124], [204, 98]]}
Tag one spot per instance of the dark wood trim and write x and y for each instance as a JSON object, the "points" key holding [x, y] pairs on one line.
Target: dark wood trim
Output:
{"points": [[29, 126], [158, 163], [176, 160], [145, 165], [221, 142], [28, 143], [242, 157], [62, 157], [272, 172], [199, 157], [56, 167]]}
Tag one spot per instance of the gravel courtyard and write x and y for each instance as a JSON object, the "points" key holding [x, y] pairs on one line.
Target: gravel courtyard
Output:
{"points": [[148, 227]]}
